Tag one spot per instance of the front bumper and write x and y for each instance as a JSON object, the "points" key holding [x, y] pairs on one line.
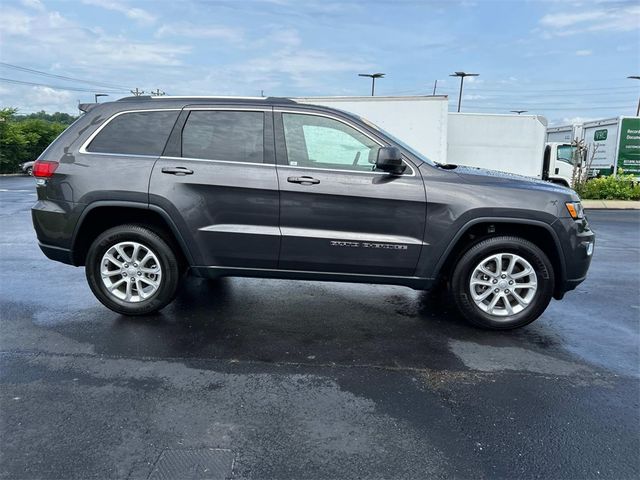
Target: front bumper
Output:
{"points": [[578, 245]]}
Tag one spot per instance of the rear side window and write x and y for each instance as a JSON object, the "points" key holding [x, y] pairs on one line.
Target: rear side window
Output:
{"points": [[135, 133], [224, 135]]}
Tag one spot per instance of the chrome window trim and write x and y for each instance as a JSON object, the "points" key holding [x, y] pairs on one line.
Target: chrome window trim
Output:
{"points": [[349, 124], [230, 109], [83, 149]]}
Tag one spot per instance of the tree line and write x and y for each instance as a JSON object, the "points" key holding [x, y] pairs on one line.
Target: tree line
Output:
{"points": [[24, 137]]}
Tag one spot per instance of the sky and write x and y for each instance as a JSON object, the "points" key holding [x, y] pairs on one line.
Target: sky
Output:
{"points": [[567, 60]]}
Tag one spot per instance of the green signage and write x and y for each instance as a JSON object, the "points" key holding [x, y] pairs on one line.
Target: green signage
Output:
{"points": [[629, 148], [600, 135]]}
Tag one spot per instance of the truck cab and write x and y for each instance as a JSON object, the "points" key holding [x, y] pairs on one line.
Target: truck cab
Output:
{"points": [[559, 162]]}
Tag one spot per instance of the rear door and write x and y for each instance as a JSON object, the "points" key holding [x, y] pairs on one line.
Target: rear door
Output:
{"points": [[336, 213], [218, 182]]}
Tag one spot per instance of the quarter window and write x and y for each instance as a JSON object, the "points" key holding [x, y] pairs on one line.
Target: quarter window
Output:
{"points": [[135, 133], [224, 135], [320, 142]]}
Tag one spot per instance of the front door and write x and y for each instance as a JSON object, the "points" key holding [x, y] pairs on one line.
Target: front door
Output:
{"points": [[336, 213]]}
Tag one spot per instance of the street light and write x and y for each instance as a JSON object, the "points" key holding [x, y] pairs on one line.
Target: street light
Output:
{"points": [[636, 77], [373, 77], [462, 75], [96, 95], [518, 111]]}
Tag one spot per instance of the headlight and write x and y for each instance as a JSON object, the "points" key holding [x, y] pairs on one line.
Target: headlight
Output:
{"points": [[575, 210]]}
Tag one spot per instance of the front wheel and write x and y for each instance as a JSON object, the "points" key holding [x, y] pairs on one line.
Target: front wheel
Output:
{"points": [[503, 283], [132, 270]]}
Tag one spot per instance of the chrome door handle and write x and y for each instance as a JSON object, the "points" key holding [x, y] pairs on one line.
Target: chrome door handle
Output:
{"points": [[303, 180], [177, 171]]}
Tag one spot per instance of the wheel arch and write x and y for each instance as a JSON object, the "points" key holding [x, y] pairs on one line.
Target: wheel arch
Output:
{"points": [[102, 215], [476, 230]]}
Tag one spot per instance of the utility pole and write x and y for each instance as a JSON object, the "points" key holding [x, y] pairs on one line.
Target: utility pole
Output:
{"points": [[636, 77], [373, 77], [96, 95], [157, 93], [137, 92], [435, 85], [462, 75], [518, 111]]}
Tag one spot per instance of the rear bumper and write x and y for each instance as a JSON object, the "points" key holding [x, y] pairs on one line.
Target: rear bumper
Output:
{"points": [[58, 254], [54, 223]]}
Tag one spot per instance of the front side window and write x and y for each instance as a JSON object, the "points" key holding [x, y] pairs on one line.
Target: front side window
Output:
{"points": [[320, 142], [135, 133], [224, 135], [566, 153]]}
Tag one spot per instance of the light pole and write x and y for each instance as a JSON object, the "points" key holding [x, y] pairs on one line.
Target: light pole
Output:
{"points": [[518, 111], [373, 77], [462, 75], [636, 77], [96, 95]]}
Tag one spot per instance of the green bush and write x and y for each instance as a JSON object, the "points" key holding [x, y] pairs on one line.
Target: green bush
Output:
{"points": [[23, 138], [621, 187]]}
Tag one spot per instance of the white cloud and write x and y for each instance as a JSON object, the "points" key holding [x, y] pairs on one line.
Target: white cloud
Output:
{"points": [[614, 17], [34, 4], [15, 22], [34, 99], [583, 53], [564, 19], [63, 41], [186, 29], [573, 120], [300, 65], [134, 13]]}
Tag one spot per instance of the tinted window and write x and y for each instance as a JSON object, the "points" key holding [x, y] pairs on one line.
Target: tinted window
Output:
{"points": [[136, 133], [220, 135], [321, 142]]}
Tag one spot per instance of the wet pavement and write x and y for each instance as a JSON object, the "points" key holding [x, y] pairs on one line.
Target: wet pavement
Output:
{"points": [[271, 379]]}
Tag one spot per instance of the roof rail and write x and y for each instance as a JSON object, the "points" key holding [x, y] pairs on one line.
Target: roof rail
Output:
{"points": [[135, 97], [206, 97]]}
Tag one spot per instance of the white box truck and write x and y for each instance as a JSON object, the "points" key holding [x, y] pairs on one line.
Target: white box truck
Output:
{"points": [[613, 144], [509, 143], [564, 133]]}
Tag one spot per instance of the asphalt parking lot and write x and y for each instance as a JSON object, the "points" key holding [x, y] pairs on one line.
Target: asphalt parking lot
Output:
{"points": [[269, 379]]}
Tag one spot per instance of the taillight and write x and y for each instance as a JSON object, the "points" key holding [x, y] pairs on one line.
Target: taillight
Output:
{"points": [[44, 168]]}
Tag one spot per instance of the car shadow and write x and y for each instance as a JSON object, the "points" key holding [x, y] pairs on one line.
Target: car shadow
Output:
{"points": [[293, 322]]}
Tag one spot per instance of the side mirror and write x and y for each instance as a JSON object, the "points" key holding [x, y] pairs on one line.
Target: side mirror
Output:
{"points": [[390, 160]]}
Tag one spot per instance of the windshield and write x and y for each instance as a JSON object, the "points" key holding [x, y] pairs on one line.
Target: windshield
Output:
{"points": [[396, 140]]}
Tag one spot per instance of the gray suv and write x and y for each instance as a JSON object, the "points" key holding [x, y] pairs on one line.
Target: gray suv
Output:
{"points": [[143, 190]]}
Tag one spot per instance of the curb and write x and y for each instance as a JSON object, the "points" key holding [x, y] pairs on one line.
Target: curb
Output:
{"points": [[611, 204], [13, 175]]}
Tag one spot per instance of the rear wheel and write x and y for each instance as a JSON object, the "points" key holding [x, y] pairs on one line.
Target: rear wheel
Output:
{"points": [[503, 283], [132, 270]]}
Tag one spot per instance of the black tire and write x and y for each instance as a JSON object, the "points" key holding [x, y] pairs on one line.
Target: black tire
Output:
{"points": [[461, 289], [30, 171], [167, 259]]}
